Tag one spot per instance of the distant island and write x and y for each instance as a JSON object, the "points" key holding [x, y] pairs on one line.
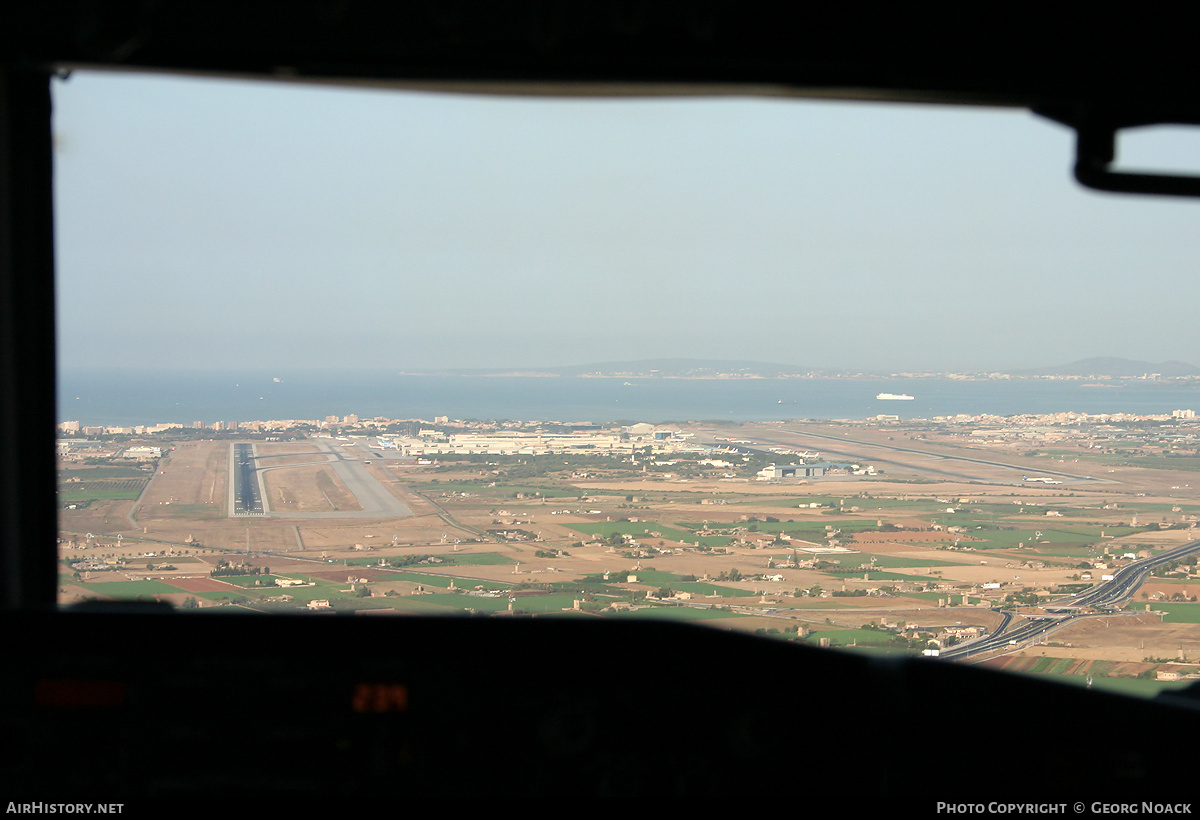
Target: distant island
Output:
{"points": [[678, 368], [1111, 367]]}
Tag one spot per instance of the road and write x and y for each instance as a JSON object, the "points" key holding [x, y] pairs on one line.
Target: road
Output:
{"points": [[1103, 596]]}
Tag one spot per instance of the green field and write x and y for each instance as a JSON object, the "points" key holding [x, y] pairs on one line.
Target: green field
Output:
{"points": [[1152, 462], [555, 602], [476, 559], [441, 580], [248, 594], [1050, 666], [704, 588], [1028, 536], [1177, 613], [254, 581], [462, 559], [676, 613], [461, 602], [643, 529], [654, 577], [97, 473], [426, 604], [848, 637], [859, 559], [660, 578], [807, 530], [1133, 687], [113, 490], [131, 589], [832, 503]]}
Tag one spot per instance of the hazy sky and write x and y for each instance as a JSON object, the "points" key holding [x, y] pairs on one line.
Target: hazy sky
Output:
{"points": [[206, 224]]}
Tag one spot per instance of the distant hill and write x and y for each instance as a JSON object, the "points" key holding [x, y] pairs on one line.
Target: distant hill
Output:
{"points": [[719, 368], [1112, 366], [657, 368], [695, 368]]}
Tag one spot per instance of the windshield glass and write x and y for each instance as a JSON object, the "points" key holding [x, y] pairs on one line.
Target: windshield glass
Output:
{"points": [[854, 375]]}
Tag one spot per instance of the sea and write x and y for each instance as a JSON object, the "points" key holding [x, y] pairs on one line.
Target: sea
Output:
{"points": [[130, 397]]}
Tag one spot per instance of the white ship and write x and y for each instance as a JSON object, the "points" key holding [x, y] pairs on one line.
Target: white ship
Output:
{"points": [[894, 397]]}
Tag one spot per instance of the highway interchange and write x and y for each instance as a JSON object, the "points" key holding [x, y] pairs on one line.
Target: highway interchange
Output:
{"points": [[1100, 599], [1014, 633]]}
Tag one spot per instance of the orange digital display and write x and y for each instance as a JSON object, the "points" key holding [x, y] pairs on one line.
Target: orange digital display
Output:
{"points": [[380, 697]]}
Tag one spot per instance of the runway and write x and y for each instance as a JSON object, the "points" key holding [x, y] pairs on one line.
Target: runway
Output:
{"points": [[374, 498]]}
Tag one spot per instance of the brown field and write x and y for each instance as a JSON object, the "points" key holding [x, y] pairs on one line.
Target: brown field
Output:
{"points": [[295, 458], [220, 533], [273, 448], [395, 481], [421, 531], [98, 517], [1127, 637], [193, 481], [1023, 663]]}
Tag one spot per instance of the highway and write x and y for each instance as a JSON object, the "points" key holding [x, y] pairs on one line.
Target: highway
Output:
{"points": [[1102, 597]]}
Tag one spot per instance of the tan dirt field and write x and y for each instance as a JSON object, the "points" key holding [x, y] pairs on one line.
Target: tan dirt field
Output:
{"points": [[1129, 637], [396, 483], [296, 458], [273, 448], [193, 481], [99, 517], [308, 489]]}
